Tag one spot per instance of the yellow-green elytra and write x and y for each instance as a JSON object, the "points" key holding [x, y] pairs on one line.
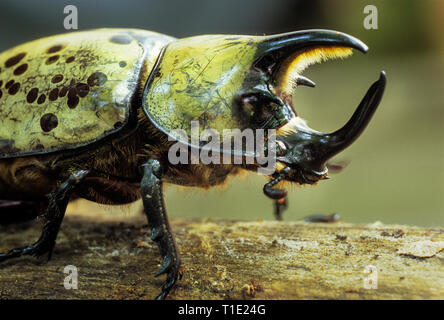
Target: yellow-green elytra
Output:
{"points": [[70, 90]]}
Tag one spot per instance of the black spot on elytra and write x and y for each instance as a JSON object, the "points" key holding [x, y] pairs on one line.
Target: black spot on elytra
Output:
{"points": [[41, 99], [70, 59], [72, 93], [14, 88], [21, 69], [54, 94], [82, 89], [52, 59], [55, 48], [73, 101], [32, 95], [1, 83], [14, 60], [1, 93], [9, 83], [122, 64], [118, 124], [48, 122], [63, 91], [121, 39], [57, 78], [97, 79]]}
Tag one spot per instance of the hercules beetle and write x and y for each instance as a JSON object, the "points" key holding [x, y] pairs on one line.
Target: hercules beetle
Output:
{"points": [[88, 114]]}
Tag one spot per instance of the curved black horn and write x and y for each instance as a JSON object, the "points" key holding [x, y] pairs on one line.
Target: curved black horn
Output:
{"points": [[298, 40], [339, 140]]}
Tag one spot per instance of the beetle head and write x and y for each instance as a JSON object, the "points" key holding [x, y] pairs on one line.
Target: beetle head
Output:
{"points": [[301, 152]]}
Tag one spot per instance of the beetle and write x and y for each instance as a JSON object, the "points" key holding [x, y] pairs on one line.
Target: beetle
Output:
{"points": [[91, 114]]}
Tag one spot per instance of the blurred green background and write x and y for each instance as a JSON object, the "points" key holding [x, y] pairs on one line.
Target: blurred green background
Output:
{"points": [[395, 174]]}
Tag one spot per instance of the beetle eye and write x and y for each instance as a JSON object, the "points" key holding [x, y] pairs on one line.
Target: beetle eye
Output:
{"points": [[281, 148], [263, 110]]}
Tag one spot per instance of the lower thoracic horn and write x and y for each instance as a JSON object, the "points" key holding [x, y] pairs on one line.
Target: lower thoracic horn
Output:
{"points": [[339, 140]]}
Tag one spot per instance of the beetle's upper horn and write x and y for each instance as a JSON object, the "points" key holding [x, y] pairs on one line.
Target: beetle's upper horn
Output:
{"points": [[287, 43], [339, 140]]}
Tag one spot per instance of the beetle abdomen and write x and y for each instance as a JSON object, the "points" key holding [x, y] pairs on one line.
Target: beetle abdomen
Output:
{"points": [[70, 90]]}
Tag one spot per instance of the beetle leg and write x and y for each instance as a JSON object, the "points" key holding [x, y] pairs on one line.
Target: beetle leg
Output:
{"points": [[161, 233], [57, 202], [280, 205]]}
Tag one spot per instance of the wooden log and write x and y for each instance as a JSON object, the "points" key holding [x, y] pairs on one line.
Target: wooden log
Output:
{"points": [[231, 260]]}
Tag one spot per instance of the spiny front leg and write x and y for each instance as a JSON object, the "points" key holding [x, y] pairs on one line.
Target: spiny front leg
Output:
{"points": [[161, 233], [57, 202]]}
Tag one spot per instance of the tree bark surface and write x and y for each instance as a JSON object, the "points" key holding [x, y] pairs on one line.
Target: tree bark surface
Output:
{"points": [[230, 260]]}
